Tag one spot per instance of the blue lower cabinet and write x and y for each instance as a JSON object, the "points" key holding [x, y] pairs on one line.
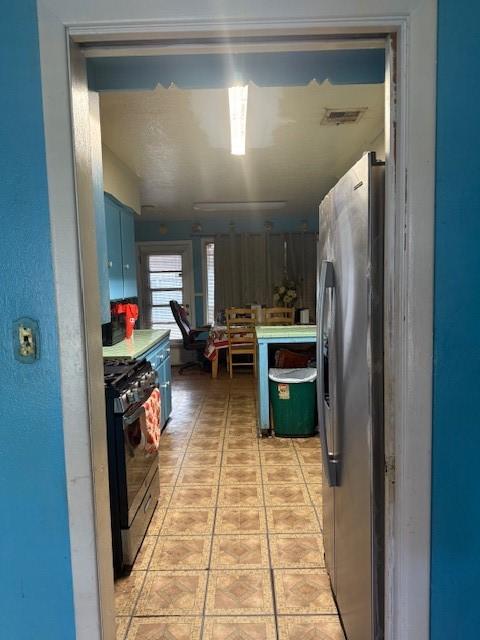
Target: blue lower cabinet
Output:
{"points": [[159, 357]]}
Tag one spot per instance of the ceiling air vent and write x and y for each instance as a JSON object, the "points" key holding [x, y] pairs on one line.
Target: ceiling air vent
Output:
{"points": [[343, 116]]}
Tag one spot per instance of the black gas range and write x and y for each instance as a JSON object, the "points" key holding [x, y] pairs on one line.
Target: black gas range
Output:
{"points": [[133, 474]]}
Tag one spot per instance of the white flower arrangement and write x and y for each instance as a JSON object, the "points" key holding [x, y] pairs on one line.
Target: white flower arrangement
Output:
{"points": [[285, 294]]}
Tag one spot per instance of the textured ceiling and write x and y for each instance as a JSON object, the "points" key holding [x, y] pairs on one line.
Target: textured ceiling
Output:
{"points": [[178, 143]]}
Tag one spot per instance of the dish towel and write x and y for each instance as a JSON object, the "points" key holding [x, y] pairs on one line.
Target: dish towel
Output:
{"points": [[151, 424]]}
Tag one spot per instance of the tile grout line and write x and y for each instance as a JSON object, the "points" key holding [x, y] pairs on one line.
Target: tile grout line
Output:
{"points": [[202, 626], [272, 576]]}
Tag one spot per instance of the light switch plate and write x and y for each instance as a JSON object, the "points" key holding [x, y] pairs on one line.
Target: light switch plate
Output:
{"points": [[26, 340]]}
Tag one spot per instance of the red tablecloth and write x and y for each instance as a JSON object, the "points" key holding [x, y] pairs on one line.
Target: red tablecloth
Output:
{"points": [[217, 339]]}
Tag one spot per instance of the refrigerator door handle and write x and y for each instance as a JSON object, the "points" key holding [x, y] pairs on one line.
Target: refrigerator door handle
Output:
{"points": [[326, 281]]}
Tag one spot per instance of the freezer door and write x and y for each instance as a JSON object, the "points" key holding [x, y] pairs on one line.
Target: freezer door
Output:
{"points": [[325, 351], [354, 248]]}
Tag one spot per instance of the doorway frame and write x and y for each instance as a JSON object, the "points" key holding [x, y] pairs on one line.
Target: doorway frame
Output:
{"points": [[410, 132]]}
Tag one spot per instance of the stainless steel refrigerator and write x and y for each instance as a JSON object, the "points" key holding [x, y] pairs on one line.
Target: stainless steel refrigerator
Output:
{"points": [[350, 394]]}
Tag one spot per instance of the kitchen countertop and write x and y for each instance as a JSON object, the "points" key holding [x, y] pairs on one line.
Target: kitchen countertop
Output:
{"points": [[265, 332], [141, 341]]}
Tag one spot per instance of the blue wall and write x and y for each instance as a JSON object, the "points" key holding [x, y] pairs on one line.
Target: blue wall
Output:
{"points": [[36, 585], [178, 230], [456, 432], [210, 71]]}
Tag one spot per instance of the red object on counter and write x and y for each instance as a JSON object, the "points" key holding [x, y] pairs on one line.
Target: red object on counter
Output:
{"points": [[131, 316]]}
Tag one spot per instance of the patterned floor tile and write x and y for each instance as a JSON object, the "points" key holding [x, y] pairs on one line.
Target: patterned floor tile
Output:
{"points": [[239, 628], [239, 593], [316, 494], [166, 491], [218, 423], [234, 424], [241, 432], [143, 558], [121, 626], [194, 496], [208, 431], [202, 459], [168, 628], [240, 520], [274, 444], [198, 475], [175, 593], [280, 457], [291, 551], [240, 496], [240, 457], [282, 475], [241, 475], [287, 494], [169, 458], [313, 473], [235, 443], [172, 442], [210, 453], [307, 443], [240, 414], [156, 521], [310, 628], [239, 552], [303, 591], [188, 521], [127, 590], [292, 520], [204, 444], [167, 475], [181, 552], [309, 456]]}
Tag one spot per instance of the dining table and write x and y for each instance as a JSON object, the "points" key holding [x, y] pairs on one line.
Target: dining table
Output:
{"points": [[216, 341]]}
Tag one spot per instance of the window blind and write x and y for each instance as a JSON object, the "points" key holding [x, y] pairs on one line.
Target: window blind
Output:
{"points": [[164, 280], [210, 293]]}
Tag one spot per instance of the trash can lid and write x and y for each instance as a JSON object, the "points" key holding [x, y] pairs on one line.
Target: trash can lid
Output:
{"points": [[293, 376]]}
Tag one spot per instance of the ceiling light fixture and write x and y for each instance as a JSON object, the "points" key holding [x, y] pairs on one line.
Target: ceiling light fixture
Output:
{"points": [[262, 205], [237, 101]]}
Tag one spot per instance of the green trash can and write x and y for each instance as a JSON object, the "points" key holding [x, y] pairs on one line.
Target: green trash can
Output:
{"points": [[293, 399]]}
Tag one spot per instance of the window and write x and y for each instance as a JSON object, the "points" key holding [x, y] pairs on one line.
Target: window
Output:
{"points": [[164, 281], [210, 282]]}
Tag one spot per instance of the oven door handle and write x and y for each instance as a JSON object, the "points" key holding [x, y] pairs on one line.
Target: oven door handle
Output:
{"points": [[129, 419]]}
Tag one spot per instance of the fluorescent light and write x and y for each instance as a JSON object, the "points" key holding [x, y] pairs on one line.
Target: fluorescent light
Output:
{"points": [[237, 100], [261, 205]]}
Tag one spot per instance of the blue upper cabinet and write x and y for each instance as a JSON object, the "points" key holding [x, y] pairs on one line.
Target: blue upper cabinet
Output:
{"points": [[121, 256], [129, 271], [114, 249]]}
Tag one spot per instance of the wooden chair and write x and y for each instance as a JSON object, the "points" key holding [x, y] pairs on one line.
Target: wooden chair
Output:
{"points": [[241, 337], [279, 315]]}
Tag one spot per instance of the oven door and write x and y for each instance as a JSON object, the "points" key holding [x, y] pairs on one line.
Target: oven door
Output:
{"points": [[139, 466]]}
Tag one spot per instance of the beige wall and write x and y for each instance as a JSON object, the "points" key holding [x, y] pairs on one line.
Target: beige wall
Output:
{"points": [[120, 181], [378, 145]]}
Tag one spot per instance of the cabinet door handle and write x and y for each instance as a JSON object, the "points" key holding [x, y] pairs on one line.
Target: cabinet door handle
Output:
{"points": [[109, 264], [127, 266]]}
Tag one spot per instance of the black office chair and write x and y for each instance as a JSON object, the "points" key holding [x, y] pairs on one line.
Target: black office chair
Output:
{"points": [[190, 338]]}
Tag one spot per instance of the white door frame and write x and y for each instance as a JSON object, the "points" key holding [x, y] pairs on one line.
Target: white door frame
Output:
{"points": [[408, 269], [169, 246]]}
